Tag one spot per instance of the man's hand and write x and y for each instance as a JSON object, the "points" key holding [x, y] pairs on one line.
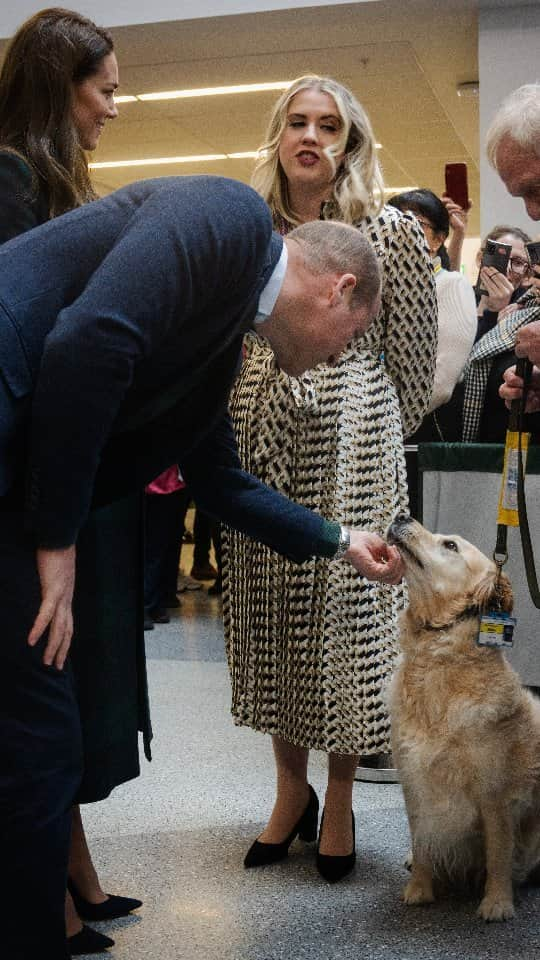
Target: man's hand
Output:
{"points": [[528, 342], [56, 569], [512, 388], [373, 558]]}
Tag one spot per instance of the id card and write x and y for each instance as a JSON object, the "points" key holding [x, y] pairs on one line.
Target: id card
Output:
{"points": [[496, 630]]}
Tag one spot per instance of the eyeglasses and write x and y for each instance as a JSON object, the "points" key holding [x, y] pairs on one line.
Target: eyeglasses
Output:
{"points": [[519, 266]]}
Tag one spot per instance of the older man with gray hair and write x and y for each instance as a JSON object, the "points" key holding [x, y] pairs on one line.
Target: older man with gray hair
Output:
{"points": [[513, 148], [513, 145]]}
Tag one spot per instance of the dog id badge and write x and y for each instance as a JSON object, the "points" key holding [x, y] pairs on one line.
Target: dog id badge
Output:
{"points": [[496, 630]]}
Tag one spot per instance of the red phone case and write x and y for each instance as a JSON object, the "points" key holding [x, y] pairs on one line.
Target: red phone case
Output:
{"points": [[455, 176]]}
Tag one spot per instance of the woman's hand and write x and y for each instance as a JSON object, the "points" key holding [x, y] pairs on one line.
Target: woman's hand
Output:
{"points": [[498, 288], [56, 569], [459, 217], [374, 558]]}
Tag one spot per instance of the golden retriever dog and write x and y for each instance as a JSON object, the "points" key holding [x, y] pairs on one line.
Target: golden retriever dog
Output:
{"points": [[465, 735]]}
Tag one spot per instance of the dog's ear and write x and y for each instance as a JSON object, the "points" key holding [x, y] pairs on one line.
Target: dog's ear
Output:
{"points": [[494, 593]]}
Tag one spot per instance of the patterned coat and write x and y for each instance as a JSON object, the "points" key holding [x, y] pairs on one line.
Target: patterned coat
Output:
{"points": [[310, 645]]}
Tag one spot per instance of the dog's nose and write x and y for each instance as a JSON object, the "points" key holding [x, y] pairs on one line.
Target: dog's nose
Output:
{"points": [[402, 519]]}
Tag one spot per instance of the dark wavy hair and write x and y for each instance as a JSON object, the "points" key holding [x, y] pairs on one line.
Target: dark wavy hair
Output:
{"points": [[427, 204], [49, 53]]}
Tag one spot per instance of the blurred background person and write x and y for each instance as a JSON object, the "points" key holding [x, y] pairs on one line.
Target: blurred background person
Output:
{"points": [[310, 647], [456, 307], [57, 86], [495, 291]]}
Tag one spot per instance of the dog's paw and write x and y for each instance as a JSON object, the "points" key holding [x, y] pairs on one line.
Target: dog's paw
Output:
{"points": [[494, 908], [408, 861], [417, 893]]}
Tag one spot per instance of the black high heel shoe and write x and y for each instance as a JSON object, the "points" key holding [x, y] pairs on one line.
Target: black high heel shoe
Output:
{"points": [[335, 868], [88, 941], [111, 908], [260, 854]]}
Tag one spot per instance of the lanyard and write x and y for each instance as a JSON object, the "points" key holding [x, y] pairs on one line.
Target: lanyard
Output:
{"points": [[512, 502]]}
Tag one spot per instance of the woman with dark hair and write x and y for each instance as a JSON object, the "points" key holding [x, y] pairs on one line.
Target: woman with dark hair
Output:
{"points": [[57, 86], [455, 295], [56, 92], [495, 291]]}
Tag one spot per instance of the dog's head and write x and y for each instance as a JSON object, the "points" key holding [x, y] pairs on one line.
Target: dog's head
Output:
{"points": [[446, 575]]}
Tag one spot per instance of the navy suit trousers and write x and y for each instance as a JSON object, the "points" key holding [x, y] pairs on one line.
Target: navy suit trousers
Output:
{"points": [[40, 762]]}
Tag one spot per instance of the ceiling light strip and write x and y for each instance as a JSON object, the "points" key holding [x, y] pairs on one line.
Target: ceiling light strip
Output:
{"points": [[215, 91]]}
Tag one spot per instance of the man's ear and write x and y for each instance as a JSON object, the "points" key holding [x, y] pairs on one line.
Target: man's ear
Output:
{"points": [[343, 288]]}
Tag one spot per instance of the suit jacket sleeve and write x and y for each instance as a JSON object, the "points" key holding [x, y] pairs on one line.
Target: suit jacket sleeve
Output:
{"points": [[21, 208], [182, 252], [214, 474]]}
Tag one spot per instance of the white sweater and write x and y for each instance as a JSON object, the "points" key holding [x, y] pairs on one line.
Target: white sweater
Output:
{"points": [[457, 330]]}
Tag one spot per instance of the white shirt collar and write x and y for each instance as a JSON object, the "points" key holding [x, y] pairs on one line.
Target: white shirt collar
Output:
{"points": [[269, 295]]}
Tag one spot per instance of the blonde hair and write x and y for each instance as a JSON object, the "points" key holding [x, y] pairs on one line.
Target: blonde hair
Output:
{"points": [[358, 189], [518, 117]]}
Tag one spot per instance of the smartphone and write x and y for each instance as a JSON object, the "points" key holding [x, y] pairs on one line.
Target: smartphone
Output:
{"points": [[456, 185], [533, 249], [496, 255]]}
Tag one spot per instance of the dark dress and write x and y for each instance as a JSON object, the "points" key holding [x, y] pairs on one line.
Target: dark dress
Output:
{"points": [[107, 653]]}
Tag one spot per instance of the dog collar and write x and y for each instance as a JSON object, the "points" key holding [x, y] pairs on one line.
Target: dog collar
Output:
{"points": [[467, 614]]}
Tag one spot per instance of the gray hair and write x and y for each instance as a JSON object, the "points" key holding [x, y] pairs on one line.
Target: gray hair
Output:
{"points": [[518, 117], [330, 246]]}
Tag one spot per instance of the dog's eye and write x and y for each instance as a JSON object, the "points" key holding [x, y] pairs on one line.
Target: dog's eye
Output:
{"points": [[450, 545]]}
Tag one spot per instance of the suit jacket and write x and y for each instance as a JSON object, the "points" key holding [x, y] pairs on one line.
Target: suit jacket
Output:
{"points": [[121, 330]]}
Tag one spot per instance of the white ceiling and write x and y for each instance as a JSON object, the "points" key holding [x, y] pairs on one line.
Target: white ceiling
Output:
{"points": [[403, 60]]}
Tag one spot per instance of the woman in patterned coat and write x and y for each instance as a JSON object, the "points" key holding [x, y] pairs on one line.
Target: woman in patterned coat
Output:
{"points": [[310, 646]]}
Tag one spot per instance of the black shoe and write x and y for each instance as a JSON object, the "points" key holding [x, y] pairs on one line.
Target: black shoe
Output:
{"points": [[160, 615], [110, 909], [148, 622], [260, 854], [216, 589], [88, 941], [335, 868]]}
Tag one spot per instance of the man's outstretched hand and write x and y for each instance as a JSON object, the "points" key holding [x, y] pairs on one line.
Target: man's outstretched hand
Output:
{"points": [[56, 569], [373, 558]]}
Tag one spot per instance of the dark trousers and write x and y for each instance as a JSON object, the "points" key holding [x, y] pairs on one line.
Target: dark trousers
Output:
{"points": [[164, 529], [40, 763], [206, 531]]}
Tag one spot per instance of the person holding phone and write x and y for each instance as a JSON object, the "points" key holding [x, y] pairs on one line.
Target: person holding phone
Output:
{"points": [[457, 202], [497, 290], [485, 417]]}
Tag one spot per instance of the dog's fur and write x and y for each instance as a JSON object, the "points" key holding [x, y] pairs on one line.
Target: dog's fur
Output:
{"points": [[465, 735]]}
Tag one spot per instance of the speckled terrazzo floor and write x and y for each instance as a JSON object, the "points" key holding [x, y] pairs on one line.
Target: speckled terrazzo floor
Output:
{"points": [[176, 837]]}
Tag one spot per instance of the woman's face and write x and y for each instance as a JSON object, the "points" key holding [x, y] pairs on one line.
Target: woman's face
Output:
{"points": [[93, 102], [313, 123], [434, 240], [518, 265]]}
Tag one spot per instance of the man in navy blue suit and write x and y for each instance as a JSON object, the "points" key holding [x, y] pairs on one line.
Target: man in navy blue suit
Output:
{"points": [[121, 327]]}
